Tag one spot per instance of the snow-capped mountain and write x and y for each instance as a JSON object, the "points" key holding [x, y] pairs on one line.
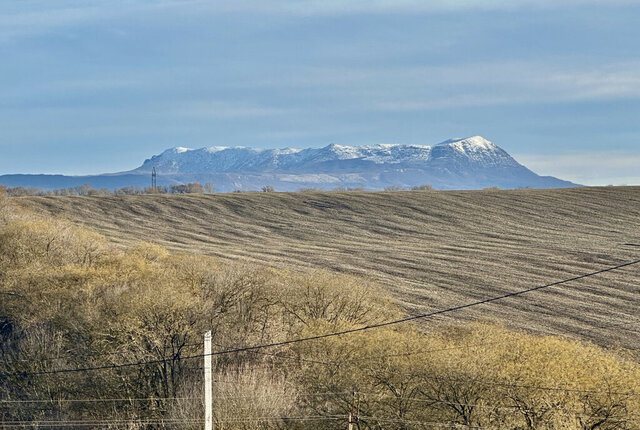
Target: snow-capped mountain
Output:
{"points": [[216, 159], [473, 151], [473, 162], [469, 163], [225, 159]]}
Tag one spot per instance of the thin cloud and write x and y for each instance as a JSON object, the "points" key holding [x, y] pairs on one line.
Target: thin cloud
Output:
{"points": [[587, 167], [477, 85], [34, 16], [224, 110], [338, 7], [29, 17]]}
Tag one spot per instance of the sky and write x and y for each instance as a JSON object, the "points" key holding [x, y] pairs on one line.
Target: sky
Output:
{"points": [[90, 86]]}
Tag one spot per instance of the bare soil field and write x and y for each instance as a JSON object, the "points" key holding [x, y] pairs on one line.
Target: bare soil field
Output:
{"points": [[430, 249]]}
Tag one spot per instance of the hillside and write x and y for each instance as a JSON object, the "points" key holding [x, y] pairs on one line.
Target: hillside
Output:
{"points": [[430, 249]]}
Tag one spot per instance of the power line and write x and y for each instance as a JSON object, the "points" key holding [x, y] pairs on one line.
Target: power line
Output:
{"points": [[371, 357], [406, 354], [376, 396], [514, 408], [199, 344], [85, 423], [430, 423], [93, 423], [527, 386], [342, 332], [373, 396], [97, 422], [139, 399], [107, 353], [449, 379], [427, 315]]}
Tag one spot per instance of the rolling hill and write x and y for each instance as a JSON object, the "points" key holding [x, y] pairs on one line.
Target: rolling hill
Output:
{"points": [[431, 249]]}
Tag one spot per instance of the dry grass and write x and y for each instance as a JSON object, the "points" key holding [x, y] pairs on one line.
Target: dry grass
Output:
{"points": [[430, 249]]}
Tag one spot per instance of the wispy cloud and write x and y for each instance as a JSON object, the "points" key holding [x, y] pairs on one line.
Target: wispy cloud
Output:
{"points": [[312, 7], [27, 17], [401, 89], [34, 17], [220, 109], [587, 167], [393, 89]]}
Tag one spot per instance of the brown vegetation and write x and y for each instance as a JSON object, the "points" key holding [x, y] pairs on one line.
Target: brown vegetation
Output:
{"points": [[71, 300]]}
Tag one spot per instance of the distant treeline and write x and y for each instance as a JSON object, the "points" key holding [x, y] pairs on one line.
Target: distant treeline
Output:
{"points": [[190, 188], [88, 190]]}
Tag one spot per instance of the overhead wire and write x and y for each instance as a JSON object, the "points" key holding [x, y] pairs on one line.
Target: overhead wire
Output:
{"points": [[88, 423], [103, 354], [255, 348], [429, 423], [342, 332], [484, 405], [377, 396], [125, 399]]}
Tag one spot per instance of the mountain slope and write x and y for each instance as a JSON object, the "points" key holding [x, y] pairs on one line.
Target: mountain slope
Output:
{"points": [[470, 152], [470, 163]]}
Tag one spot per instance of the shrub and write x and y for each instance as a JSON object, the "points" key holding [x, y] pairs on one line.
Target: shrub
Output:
{"points": [[190, 188], [394, 188], [423, 187]]}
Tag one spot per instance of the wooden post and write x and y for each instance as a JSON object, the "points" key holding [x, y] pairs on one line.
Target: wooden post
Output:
{"points": [[208, 383]]}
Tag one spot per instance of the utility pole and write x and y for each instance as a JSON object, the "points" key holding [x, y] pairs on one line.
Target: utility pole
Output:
{"points": [[352, 418], [208, 383], [154, 178]]}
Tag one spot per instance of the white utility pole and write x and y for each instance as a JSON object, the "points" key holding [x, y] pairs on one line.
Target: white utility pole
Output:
{"points": [[208, 383], [353, 419]]}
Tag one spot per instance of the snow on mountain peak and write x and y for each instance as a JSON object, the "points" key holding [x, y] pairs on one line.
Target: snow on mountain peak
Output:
{"points": [[287, 150], [212, 149], [473, 143], [171, 151], [345, 152], [478, 142], [474, 149]]}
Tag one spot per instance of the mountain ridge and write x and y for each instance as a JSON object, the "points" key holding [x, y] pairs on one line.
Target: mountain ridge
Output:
{"points": [[468, 163], [204, 159]]}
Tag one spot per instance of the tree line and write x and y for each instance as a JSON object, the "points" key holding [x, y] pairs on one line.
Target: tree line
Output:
{"points": [[190, 188], [69, 299], [88, 190]]}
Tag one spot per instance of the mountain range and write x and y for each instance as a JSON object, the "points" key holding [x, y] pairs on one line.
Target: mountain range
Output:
{"points": [[469, 163]]}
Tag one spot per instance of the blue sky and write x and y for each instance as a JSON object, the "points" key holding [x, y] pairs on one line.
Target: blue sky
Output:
{"points": [[98, 86]]}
